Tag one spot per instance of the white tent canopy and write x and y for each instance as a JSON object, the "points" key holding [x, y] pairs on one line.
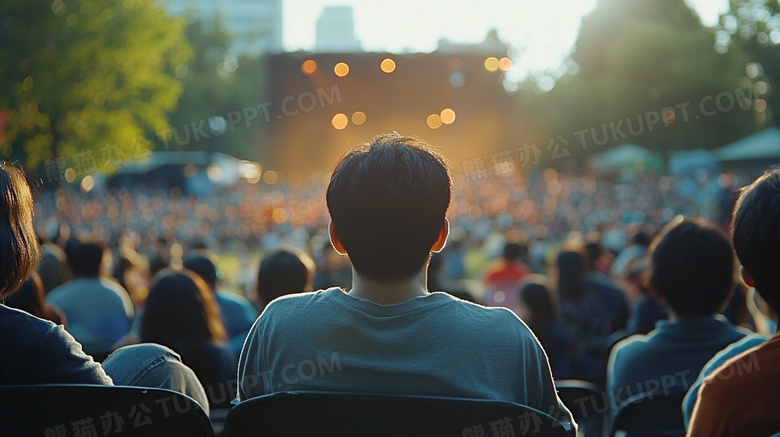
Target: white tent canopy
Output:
{"points": [[761, 145], [626, 157], [691, 161]]}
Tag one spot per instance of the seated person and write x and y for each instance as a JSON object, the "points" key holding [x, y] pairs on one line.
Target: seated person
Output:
{"points": [[237, 312], [99, 311], [283, 272], [503, 275], [32, 350], [690, 271], [590, 311], [737, 399], [181, 313], [36, 351], [541, 315], [387, 200]]}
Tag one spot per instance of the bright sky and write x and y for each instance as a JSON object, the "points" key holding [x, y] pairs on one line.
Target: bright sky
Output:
{"points": [[541, 31]]}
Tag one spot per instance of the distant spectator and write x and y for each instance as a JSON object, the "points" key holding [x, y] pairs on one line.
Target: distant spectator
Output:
{"points": [[131, 274], [541, 315], [283, 272], [437, 281], [99, 311], [180, 312], [53, 268], [691, 265], [591, 310], [740, 397], [637, 250], [504, 274], [237, 312]]}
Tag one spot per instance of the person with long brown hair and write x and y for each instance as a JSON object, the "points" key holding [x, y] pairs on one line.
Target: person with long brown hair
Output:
{"points": [[32, 350], [182, 314]]}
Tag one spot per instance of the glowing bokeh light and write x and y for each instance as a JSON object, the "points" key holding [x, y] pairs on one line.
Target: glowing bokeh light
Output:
{"points": [[270, 177], [434, 121], [279, 215], [359, 117], [387, 65], [309, 67], [70, 175], [447, 116], [341, 69], [339, 121], [505, 64], [491, 64], [87, 184]]}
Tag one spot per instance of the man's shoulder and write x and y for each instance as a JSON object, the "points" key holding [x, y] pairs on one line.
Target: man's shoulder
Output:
{"points": [[747, 363], [635, 346]]}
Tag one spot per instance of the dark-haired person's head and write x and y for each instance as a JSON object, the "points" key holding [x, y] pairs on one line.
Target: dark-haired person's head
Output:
{"points": [[642, 238], [537, 298], [514, 251], [53, 269], [85, 258], [691, 267], [593, 252], [570, 279], [180, 310], [283, 272], [20, 250], [387, 201], [756, 236], [204, 263]]}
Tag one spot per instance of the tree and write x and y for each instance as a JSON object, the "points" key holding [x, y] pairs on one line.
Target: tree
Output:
{"points": [[754, 28], [217, 82], [647, 73], [86, 77]]}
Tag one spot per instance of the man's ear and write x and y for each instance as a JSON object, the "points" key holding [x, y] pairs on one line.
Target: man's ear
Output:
{"points": [[334, 240], [443, 234], [749, 281]]}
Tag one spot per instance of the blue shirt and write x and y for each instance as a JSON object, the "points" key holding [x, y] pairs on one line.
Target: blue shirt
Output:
{"points": [[668, 358], [435, 345]]}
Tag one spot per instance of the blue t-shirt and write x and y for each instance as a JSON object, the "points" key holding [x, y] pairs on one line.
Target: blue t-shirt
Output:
{"points": [[435, 345], [668, 358]]}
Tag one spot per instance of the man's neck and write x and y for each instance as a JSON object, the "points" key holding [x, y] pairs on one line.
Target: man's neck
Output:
{"points": [[388, 293]]}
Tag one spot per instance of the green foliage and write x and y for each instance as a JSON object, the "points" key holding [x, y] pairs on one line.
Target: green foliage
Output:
{"points": [[637, 59], [753, 27], [217, 82], [82, 74]]}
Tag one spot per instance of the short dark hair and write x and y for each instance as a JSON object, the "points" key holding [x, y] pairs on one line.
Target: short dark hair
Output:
{"points": [[756, 234], [283, 272], [571, 277], [388, 200], [21, 252], [514, 251], [203, 263], [691, 267], [85, 257]]}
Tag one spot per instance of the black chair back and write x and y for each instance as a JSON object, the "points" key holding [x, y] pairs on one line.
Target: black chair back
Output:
{"points": [[651, 414], [588, 404], [96, 410], [308, 413]]}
